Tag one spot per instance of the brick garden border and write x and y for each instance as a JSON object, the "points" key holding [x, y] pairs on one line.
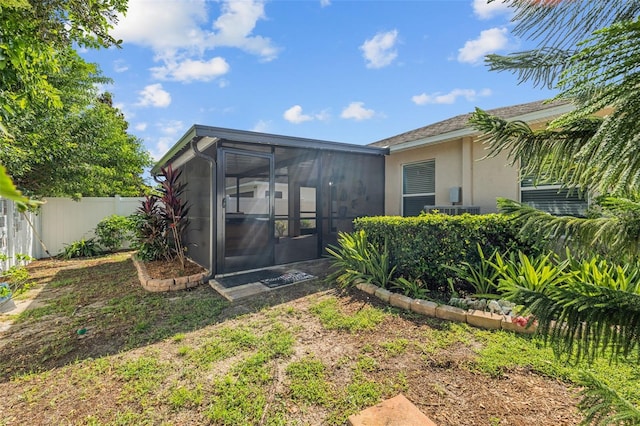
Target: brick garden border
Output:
{"points": [[166, 284], [476, 318]]}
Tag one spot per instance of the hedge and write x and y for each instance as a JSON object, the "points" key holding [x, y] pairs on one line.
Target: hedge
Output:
{"points": [[421, 246]]}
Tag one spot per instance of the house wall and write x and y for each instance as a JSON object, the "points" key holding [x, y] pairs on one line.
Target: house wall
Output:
{"points": [[459, 163], [492, 177]]}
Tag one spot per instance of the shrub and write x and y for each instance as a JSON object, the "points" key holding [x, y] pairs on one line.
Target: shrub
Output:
{"points": [[483, 276], [356, 258], [174, 209], [161, 220], [415, 289], [539, 273], [16, 279], [150, 231], [423, 247], [112, 231], [81, 248]]}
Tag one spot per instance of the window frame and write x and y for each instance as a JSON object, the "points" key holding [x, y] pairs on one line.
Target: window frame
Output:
{"points": [[421, 194]]}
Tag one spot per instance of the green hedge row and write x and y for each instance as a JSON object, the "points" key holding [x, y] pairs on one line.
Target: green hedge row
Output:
{"points": [[421, 246]]}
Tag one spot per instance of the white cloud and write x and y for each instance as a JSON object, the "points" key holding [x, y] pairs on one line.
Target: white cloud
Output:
{"points": [[449, 98], [169, 131], [154, 95], [489, 41], [191, 70], [262, 126], [295, 115], [170, 127], [357, 111], [161, 147], [181, 25], [181, 32], [379, 51], [164, 26], [235, 27], [120, 66], [485, 10], [325, 3], [141, 127]]}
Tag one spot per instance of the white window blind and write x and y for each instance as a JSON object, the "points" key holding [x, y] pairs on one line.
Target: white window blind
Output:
{"points": [[418, 187]]}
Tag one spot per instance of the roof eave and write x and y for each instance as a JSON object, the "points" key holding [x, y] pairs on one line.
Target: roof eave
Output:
{"points": [[198, 131], [175, 149], [531, 117]]}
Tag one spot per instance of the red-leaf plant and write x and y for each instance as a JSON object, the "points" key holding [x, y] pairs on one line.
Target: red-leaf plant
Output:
{"points": [[173, 209]]}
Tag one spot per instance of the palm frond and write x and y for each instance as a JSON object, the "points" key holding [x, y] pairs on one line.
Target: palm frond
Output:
{"points": [[615, 232], [542, 67], [566, 23], [602, 405], [558, 27], [551, 153], [586, 315]]}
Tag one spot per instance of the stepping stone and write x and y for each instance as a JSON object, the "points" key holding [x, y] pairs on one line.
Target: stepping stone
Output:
{"points": [[397, 411]]}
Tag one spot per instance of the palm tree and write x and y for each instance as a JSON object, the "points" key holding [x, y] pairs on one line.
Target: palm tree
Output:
{"points": [[587, 50]]}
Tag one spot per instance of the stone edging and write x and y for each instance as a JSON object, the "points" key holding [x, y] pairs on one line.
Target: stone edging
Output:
{"points": [[168, 284], [476, 318]]}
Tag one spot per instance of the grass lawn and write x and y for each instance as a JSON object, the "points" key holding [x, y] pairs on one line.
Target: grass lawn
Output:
{"points": [[96, 349]]}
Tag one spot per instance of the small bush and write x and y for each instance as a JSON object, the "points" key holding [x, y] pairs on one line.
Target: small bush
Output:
{"points": [[113, 231], [483, 276], [415, 289], [81, 248], [356, 258], [150, 231]]}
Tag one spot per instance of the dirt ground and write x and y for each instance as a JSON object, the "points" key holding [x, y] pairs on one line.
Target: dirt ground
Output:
{"points": [[442, 384]]}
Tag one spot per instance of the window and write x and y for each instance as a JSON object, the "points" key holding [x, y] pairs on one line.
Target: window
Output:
{"points": [[278, 194], [553, 198], [418, 187]]}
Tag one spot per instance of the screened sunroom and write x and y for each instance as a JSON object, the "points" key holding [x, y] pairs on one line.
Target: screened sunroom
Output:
{"points": [[259, 200]]}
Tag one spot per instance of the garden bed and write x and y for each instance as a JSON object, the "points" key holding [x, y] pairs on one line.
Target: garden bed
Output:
{"points": [[161, 275]]}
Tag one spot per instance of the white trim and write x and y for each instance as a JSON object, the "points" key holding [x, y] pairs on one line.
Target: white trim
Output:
{"points": [[468, 131]]}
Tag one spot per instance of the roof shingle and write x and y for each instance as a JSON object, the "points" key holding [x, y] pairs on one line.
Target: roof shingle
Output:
{"points": [[462, 121]]}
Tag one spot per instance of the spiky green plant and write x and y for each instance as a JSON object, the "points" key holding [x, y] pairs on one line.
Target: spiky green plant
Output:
{"points": [[483, 276], [355, 258]]}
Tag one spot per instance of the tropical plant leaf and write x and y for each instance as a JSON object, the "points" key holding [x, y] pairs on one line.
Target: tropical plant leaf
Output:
{"points": [[602, 405], [9, 191]]}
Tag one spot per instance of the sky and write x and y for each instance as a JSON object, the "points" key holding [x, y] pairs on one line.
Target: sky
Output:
{"points": [[347, 71]]}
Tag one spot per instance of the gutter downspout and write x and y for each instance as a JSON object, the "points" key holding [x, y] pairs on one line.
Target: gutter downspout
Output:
{"points": [[212, 204]]}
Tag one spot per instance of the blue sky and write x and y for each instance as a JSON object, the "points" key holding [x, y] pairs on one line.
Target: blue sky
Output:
{"points": [[346, 71]]}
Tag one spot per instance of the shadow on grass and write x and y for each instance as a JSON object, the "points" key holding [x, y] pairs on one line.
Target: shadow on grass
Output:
{"points": [[95, 307]]}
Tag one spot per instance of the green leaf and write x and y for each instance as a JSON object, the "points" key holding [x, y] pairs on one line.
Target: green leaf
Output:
{"points": [[9, 191]]}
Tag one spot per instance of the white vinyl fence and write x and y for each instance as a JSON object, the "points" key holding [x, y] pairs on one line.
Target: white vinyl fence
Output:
{"points": [[16, 236], [62, 221]]}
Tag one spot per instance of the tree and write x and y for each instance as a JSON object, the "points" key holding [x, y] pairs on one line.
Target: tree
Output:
{"points": [[588, 52], [79, 149], [32, 33], [61, 137]]}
